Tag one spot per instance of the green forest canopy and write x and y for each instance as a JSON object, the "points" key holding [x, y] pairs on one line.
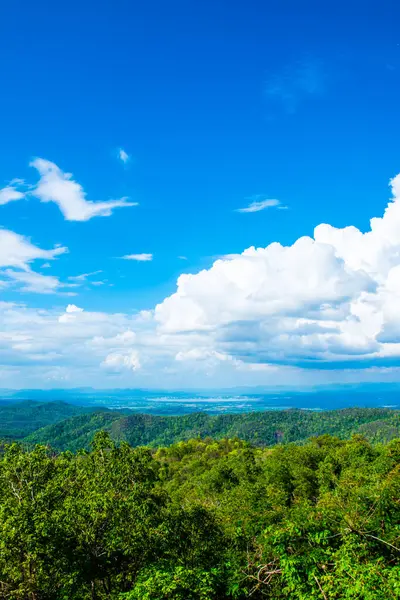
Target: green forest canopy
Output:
{"points": [[201, 520], [281, 504]]}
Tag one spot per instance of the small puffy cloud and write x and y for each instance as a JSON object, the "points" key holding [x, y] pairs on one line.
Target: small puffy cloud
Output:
{"points": [[138, 257], [59, 187], [117, 361], [182, 257], [72, 308], [258, 205], [123, 156], [121, 340], [70, 314]]}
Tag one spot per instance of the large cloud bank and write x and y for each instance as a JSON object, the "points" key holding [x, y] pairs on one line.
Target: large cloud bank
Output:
{"points": [[329, 299], [327, 302]]}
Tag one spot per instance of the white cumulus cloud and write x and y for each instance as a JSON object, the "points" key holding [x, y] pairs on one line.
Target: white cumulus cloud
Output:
{"points": [[70, 314], [330, 298], [72, 308], [117, 361]]}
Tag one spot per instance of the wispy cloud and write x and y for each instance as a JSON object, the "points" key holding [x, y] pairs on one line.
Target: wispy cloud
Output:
{"points": [[182, 257], [31, 281], [83, 276], [295, 83], [17, 251], [16, 255], [59, 187], [138, 257], [123, 156], [12, 192], [258, 205]]}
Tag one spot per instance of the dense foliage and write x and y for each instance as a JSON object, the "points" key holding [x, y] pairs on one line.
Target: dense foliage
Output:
{"points": [[19, 419], [259, 428], [201, 520]]}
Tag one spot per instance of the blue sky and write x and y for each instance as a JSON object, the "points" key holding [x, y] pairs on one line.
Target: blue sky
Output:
{"points": [[217, 107]]}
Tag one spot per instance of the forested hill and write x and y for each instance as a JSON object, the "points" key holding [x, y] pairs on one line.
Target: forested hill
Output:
{"points": [[19, 419], [212, 519], [68, 427]]}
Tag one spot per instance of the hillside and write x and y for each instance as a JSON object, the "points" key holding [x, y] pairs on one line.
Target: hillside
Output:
{"points": [[18, 419], [259, 428], [74, 433]]}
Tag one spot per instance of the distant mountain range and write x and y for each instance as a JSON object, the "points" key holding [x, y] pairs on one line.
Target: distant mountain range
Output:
{"points": [[257, 389]]}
